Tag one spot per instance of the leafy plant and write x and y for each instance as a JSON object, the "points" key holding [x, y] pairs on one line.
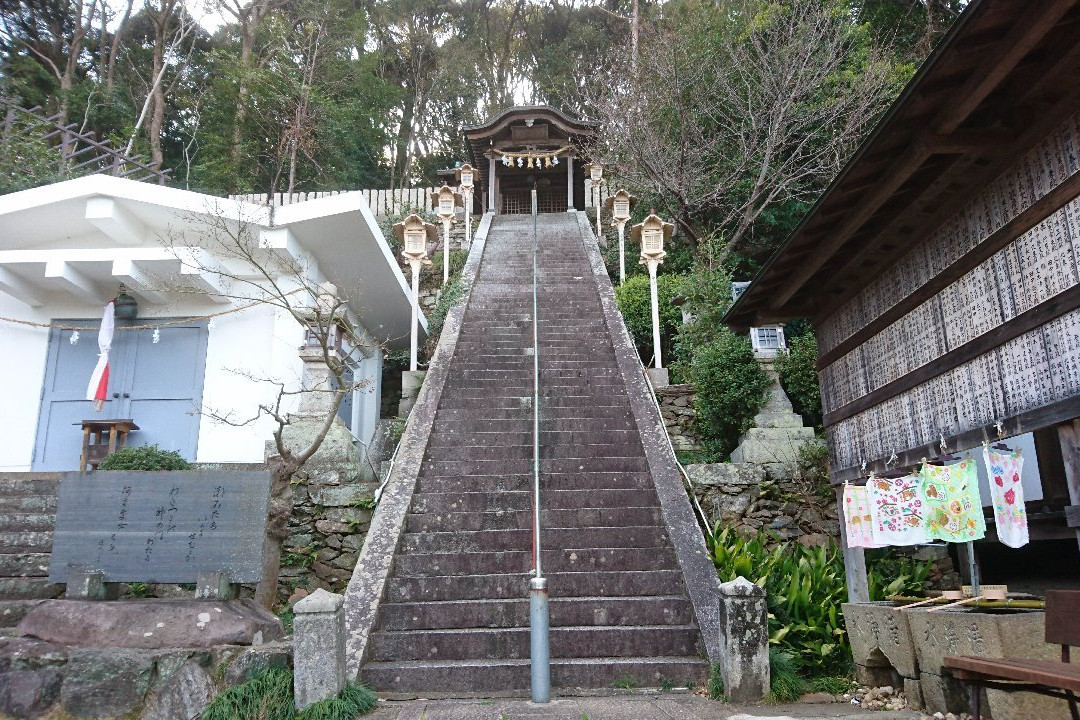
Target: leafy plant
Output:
{"points": [[890, 573], [624, 682], [716, 683], [799, 378], [832, 684], [731, 387], [269, 696], [634, 299], [785, 684], [144, 458], [138, 590], [452, 294]]}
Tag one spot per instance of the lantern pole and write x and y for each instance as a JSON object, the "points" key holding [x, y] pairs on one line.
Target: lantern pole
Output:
{"points": [[622, 252], [598, 228], [652, 263], [446, 251], [468, 222], [414, 263]]}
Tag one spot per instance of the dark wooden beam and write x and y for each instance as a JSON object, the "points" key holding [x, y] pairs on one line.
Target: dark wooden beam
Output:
{"points": [[1024, 35], [1031, 216], [1044, 312], [1029, 421], [983, 140]]}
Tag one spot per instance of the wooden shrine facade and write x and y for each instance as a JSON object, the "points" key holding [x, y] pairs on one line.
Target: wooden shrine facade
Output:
{"points": [[529, 145], [941, 269]]}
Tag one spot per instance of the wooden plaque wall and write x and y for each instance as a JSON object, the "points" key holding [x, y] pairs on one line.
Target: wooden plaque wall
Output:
{"points": [[1033, 370]]}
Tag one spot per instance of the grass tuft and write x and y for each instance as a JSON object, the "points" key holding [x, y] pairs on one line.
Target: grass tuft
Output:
{"points": [[785, 684], [269, 696], [716, 683]]}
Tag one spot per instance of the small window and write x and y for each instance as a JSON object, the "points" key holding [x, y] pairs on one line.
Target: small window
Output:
{"points": [[767, 338]]}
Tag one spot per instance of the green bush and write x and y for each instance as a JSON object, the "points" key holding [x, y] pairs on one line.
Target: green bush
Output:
{"points": [[452, 294], [798, 376], [635, 304], [269, 696], [144, 457], [730, 386], [804, 588]]}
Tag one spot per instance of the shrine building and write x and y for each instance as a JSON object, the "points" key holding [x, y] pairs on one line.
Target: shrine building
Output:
{"points": [[527, 145]]}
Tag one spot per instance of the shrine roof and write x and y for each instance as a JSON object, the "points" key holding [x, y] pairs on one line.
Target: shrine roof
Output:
{"points": [[1006, 74], [484, 136]]}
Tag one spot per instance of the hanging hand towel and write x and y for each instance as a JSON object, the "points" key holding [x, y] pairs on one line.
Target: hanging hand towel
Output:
{"points": [[857, 519], [1008, 496], [898, 511], [950, 495]]}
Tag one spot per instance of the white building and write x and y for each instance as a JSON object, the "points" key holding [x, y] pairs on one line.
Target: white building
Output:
{"points": [[66, 248]]}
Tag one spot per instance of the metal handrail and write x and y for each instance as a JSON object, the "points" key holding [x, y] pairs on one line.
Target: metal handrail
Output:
{"points": [[539, 648]]}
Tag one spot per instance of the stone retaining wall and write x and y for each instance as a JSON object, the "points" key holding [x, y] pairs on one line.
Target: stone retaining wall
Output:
{"points": [[677, 409]]}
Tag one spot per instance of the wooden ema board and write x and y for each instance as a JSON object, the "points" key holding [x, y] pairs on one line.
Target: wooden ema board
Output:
{"points": [[161, 527], [969, 354]]}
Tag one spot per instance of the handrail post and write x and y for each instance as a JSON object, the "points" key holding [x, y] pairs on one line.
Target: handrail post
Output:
{"points": [[539, 649]]}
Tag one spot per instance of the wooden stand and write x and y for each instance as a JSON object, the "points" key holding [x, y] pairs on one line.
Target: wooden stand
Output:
{"points": [[94, 452]]}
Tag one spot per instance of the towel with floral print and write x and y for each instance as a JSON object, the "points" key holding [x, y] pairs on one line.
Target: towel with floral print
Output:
{"points": [[897, 508], [1010, 516], [950, 494], [857, 518]]}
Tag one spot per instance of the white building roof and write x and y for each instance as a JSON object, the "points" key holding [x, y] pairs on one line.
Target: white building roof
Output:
{"points": [[81, 238]]}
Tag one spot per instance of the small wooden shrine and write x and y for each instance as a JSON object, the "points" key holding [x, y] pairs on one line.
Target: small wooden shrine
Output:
{"points": [[525, 146], [940, 268]]}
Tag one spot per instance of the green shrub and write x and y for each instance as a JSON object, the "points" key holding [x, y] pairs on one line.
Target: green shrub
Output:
{"points": [[730, 386], [452, 294], [635, 304], [890, 573], [799, 378], [269, 696], [804, 589], [431, 275], [144, 457]]}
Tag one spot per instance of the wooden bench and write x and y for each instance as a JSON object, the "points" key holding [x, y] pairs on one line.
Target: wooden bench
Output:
{"points": [[1059, 679]]}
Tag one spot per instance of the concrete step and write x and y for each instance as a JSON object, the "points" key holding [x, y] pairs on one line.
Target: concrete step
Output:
{"points": [[513, 643], [522, 500], [524, 482], [640, 536], [27, 504], [521, 433], [522, 519], [524, 465], [551, 429], [30, 483], [23, 522], [508, 676], [625, 448], [608, 416], [26, 541], [24, 565], [12, 611], [572, 611], [577, 559], [19, 588]]}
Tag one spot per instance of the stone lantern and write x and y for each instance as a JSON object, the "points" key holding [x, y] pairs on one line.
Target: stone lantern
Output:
{"points": [[595, 169], [466, 175], [653, 233], [620, 205], [445, 201], [415, 234]]}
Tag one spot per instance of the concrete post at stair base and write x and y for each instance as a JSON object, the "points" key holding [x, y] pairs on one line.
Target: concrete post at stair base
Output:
{"points": [[658, 377], [318, 648], [85, 585], [744, 641], [411, 380]]}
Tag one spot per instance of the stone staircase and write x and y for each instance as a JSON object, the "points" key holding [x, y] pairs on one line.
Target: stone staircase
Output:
{"points": [[27, 515], [454, 614]]}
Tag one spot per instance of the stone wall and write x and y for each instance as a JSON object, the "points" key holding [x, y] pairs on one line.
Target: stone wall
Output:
{"points": [[38, 678], [677, 409], [745, 497], [331, 515]]}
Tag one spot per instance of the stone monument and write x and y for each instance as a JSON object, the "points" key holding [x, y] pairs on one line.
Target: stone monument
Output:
{"points": [[778, 432]]}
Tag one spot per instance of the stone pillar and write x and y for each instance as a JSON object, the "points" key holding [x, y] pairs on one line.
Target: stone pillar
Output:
{"points": [[744, 641], [570, 182], [318, 648], [411, 380]]}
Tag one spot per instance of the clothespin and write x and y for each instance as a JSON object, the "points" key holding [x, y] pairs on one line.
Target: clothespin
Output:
{"points": [[892, 458], [944, 447], [1000, 426]]}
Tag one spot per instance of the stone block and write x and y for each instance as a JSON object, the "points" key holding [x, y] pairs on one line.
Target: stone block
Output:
{"points": [[963, 632], [85, 585], [184, 694], [881, 628], [411, 381], [319, 648], [339, 495], [105, 684], [658, 377], [771, 446], [214, 586], [151, 623], [28, 693], [744, 641], [913, 693]]}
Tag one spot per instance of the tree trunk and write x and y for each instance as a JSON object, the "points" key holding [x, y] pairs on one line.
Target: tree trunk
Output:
{"points": [[277, 529], [247, 49], [157, 112]]}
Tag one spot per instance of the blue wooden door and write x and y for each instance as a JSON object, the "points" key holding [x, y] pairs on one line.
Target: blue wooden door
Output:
{"points": [[158, 385]]}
